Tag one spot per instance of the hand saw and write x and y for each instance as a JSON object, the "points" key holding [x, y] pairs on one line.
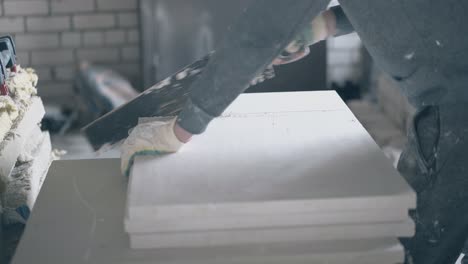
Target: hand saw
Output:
{"points": [[259, 36], [166, 98]]}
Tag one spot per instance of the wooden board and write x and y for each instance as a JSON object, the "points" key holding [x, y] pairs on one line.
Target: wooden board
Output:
{"points": [[268, 162], [88, 197]]}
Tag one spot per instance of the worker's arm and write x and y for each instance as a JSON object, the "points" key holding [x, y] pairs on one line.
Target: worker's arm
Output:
{"points": [[330, 23], [212, 93], [260, 35], [267, 30]]}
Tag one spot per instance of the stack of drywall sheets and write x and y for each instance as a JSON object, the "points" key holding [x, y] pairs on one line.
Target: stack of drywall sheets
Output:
{"points": [[284, 174]]}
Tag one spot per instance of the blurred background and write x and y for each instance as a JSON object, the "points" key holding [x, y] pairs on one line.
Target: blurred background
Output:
{"points": [[92, 56]]}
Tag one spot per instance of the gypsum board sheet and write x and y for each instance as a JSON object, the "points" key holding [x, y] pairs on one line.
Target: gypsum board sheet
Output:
{"points": [[384, 257], [384, 251], [270, 163], [270, 235], [150, 225]]}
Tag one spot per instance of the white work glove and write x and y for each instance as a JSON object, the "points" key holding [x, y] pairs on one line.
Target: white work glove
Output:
{"points": [[152, 136]]}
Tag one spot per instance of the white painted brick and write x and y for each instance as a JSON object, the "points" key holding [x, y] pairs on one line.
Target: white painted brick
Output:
{"points": [[72, 6], [129, 19], [92, 39], [117, 4], [22, 7], [52, 57], [114, 37], [131, 53], [71, 39], [23, 58], [37, 41], [58, 23], [11, 25], [99, 55], [94, 21], [44, 73], [133, 36], [64, 73]]}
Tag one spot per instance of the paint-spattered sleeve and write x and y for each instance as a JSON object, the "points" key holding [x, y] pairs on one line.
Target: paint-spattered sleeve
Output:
{"points": [[343, 26], [250, 45]]}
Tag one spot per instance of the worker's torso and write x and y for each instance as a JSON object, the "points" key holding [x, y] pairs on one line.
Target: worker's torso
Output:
{"points": [[423, 44]]}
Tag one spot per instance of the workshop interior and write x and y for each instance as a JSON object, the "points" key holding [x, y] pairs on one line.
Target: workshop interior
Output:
{"points": [[300, 168]]}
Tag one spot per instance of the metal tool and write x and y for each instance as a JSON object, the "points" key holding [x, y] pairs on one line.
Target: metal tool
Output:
{"points": [[259, 49], [166, 98], [8, 52], [7, 61]]}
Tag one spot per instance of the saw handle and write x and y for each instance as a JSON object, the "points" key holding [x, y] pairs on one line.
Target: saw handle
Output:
{"points": [[8, 51]]}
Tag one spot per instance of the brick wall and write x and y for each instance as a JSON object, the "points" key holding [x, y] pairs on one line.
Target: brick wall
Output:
{"points": [[54, 35]]}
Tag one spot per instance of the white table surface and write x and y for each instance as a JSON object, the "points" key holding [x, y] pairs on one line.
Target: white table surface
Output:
{"points": [[78, 218]]}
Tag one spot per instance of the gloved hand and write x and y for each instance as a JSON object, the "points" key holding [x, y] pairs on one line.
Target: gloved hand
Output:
{"points": [[320, 28], [152, 136]]}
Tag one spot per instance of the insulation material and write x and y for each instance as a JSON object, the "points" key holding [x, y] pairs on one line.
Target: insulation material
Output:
{"points": [[8, 114], [26, 180], [12, 146]]}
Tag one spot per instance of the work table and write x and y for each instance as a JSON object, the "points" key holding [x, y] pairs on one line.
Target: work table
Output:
{"points": [[78, 217]]}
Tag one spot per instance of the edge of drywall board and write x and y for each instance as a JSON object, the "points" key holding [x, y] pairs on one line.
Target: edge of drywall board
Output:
{"points": [[405, 200], [266, 235], [153, 224], [376, 250], [286, 101]]}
